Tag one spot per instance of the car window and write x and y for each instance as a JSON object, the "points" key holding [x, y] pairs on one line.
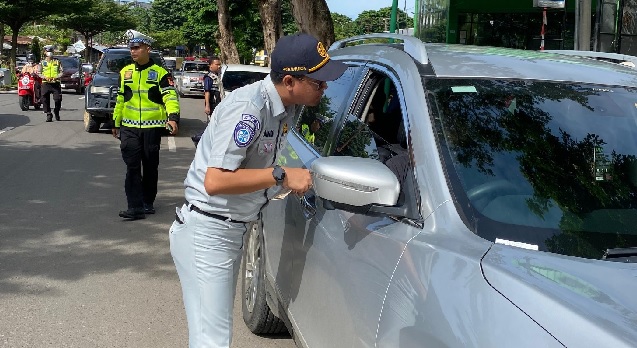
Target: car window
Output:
{"points": [[68, 62], [315, 122], [237, 79], [196, 67]]}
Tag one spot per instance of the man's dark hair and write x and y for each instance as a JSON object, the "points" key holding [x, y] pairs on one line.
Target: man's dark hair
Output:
{"points": [[276, 77], [213, 58]]}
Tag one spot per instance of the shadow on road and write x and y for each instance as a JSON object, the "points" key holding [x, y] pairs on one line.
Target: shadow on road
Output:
{"points": [[58, 213], [9, 120]]}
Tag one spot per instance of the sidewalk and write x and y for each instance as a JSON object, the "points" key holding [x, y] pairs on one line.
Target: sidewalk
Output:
{"points": [[3, 90]]}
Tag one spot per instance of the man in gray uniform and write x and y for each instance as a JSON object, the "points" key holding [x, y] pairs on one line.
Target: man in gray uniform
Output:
{"points": [[235, 163]]}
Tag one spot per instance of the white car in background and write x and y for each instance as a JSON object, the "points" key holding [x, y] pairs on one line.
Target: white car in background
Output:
{"points": [[234, 76]]}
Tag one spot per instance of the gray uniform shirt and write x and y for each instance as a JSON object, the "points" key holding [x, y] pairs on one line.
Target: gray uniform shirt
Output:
{"points": [[247, 130]]}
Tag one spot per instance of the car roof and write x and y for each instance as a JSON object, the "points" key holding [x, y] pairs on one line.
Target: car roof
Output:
{"points": [[245, 67], [467, 61]]}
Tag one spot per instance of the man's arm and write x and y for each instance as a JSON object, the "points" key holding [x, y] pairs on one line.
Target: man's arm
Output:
{"points": [[223, 181], [119, 106], [171, 101]]}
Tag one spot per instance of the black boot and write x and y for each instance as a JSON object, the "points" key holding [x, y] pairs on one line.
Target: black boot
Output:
{"points": [[132, 214], [49, 117], [57, 116]]}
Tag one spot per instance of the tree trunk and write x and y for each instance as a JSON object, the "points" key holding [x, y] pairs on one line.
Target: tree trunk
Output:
{"points": [[1, 41], [314, 17], [270, 11], [229, 53], [14, 47]]}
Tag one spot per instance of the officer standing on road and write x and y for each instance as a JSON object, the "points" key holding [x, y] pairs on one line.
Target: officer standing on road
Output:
{"points": [[147, 104], [51, 71], [228, 181], [212, 86]]}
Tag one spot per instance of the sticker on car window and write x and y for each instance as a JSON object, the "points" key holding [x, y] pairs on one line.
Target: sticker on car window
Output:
{"points": [[464, 89]]}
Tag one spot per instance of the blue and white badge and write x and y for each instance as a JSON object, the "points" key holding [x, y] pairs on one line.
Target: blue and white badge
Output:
{"points": [[246, 129], [152, 75]]}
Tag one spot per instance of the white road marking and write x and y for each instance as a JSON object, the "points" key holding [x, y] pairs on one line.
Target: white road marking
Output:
{"points": [[6, 129], [171, 145], [81, 98]]}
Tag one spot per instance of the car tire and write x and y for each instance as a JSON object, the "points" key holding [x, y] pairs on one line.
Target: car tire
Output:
{"points": [[24, 101], [90, 125], [256, 312]]}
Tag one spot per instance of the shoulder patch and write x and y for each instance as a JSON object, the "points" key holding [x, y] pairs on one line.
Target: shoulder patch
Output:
{"points": [[246, 129]]}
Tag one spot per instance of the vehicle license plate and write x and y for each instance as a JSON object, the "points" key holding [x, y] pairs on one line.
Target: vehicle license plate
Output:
{"points": [[62, 85]]}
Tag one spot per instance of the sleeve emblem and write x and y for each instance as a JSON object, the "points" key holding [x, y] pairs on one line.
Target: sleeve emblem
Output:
{"points": [[246, 129]]}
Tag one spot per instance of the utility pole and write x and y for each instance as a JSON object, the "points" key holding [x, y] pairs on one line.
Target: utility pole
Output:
{"points": [[583, 25]]}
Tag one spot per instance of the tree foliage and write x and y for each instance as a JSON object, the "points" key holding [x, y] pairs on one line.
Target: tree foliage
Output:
{"points": [[379, 21], [101, 16], [16, 13]]}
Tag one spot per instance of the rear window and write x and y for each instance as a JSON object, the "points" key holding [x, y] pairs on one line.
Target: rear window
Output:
{"points": [[237, 79], [196, 67], [69, 62]]}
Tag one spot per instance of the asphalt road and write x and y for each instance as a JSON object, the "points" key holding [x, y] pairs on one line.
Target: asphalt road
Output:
{"points": [[72, 273]]}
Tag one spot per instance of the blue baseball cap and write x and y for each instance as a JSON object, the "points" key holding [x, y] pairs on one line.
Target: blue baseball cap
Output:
{"points": [[303, 55]]}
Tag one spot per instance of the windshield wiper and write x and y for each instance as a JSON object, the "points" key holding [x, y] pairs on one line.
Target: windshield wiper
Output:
{"points": [[628, 255]]}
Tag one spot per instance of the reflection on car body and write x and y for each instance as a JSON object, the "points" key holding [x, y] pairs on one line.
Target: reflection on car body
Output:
{"points": [[490, 205]]}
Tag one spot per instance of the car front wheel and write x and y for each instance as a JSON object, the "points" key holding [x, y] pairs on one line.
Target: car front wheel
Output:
{"points": [[90, 125], [256, 313]]}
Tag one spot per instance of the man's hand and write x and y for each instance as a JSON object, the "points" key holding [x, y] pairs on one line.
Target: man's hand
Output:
{"points": [[174, 126], [299, 180], [206, 109], [115, 132]]}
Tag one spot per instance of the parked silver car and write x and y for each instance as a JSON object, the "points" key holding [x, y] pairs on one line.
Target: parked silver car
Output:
{"points": [[189, 78], [463, 197]]}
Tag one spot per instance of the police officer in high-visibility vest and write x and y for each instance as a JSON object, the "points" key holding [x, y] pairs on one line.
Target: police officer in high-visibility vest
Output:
{"points": [[51, 71], [147, 105]]}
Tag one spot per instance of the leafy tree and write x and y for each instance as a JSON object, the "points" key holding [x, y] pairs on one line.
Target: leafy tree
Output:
{"points": [[313, 17], [344, 26], [168, 14], [101, 16], [201, 27], [226, 40], [142, 17], [16, 13], [36, 50], [379, 21]]}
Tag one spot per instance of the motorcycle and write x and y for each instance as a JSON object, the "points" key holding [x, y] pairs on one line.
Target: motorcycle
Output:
{"points": [[27, 91]]}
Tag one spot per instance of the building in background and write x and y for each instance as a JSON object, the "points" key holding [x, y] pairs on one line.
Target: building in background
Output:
{"points": [[524, 24]]}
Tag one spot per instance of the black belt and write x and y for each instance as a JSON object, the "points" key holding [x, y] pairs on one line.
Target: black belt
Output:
{"points": [[214, 216]]}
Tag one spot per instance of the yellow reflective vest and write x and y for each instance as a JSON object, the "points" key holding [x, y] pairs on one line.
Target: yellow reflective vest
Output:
{"points": [[146, 97], [51, 69]]}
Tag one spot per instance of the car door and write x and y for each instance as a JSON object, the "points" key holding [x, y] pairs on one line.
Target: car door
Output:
{"points": [[284, 219], [343, 262]]}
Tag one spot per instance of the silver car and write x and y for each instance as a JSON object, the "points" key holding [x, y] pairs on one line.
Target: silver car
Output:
{"points": [[463, 197], [189, 78]]}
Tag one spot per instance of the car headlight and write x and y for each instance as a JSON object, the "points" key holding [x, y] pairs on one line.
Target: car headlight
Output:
{"points": [[100, 90], [75, 75]]}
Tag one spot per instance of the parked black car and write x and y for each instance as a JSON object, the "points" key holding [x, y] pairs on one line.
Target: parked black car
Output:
{"points": [[101, 93]]}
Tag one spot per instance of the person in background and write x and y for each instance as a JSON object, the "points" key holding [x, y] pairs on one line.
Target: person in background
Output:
{"points": [[228, 181], [50, 71], [212, 86], [139, 120]]}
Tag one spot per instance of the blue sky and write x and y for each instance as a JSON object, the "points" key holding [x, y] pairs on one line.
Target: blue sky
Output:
{"points": [[352, 8]]}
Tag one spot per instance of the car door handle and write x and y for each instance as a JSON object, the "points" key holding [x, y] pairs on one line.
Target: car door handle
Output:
{"points": [[308, 205]]}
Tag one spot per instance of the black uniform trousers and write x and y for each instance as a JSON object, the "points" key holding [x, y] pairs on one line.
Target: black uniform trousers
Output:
{"points": [[56, 90], [140, 151]]}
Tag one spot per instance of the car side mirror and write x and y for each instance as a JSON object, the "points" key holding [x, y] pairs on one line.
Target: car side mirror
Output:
{"points": [[358, 185]]}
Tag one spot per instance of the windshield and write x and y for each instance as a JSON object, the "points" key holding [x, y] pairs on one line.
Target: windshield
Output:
{"points": [[236, 79], [114, 62], [69, 62], [552, 165], [195, 67]]}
